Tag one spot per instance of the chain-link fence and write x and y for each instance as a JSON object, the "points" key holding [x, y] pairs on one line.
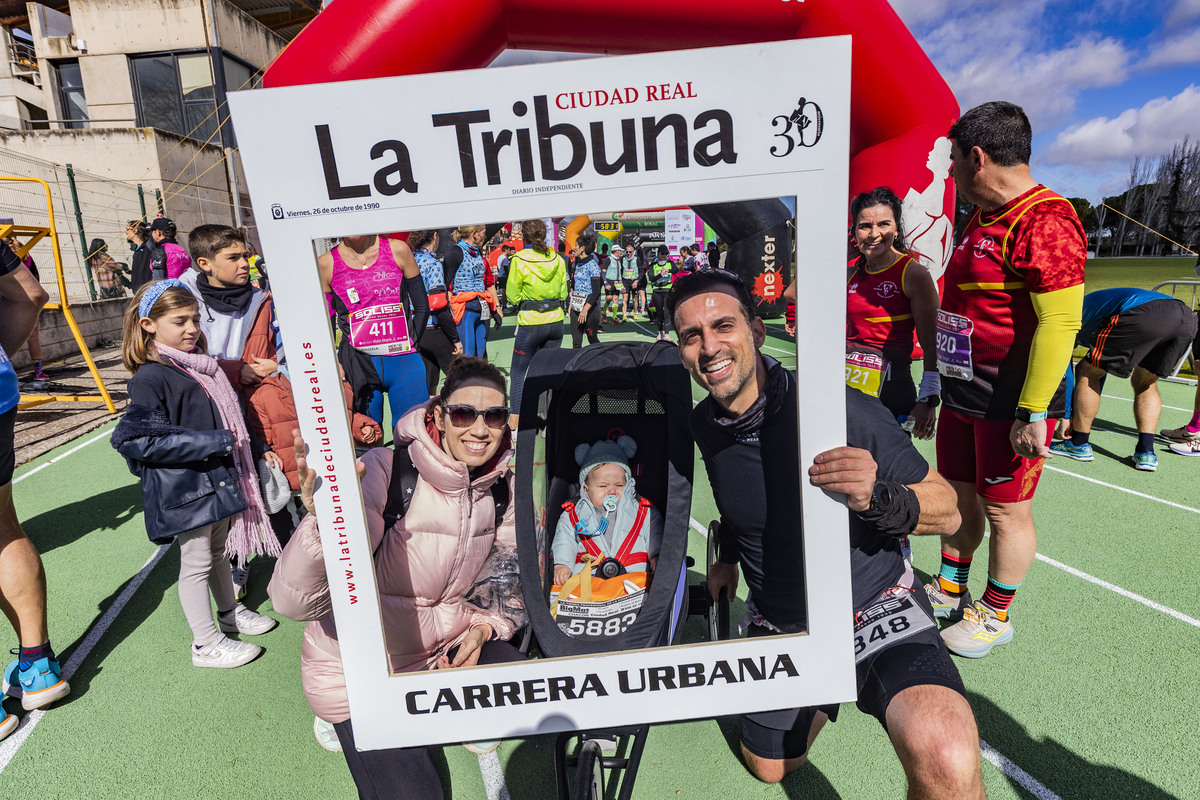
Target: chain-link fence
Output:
{"points": [[89, 207]]}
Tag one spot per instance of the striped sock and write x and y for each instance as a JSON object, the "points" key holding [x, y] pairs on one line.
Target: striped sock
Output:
{"points": [[953, 575], [998, 597], [28, 655]]}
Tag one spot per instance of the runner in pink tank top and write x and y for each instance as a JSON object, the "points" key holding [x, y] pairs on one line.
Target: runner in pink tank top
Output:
{"points": [[374, 285], [385, 306]]}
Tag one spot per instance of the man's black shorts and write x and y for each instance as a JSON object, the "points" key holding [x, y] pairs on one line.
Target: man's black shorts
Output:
{"points": [[8, 458], [1153, 336], [919, 660], [626, 285]]}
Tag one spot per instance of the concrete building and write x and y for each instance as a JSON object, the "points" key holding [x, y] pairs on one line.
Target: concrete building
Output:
{"points": [[134, 91]]}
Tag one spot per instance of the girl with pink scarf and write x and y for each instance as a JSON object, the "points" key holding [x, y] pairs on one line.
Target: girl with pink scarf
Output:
{"points": [[184, 436]]}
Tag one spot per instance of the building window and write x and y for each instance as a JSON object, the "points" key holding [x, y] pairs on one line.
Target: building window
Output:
{"points": [[239, 77], [70, 94], [175, 93]]}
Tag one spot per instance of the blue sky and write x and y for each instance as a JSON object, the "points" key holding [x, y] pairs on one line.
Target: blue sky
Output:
{"points": [[1102, 81]]}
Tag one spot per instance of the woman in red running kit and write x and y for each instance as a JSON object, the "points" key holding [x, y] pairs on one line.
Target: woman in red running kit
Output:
{"points": [[889, 295]]}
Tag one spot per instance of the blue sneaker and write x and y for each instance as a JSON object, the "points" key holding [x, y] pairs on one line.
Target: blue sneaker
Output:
{"points": [[1081, 452], [38, 686], [8, 723], [1145, 461]]}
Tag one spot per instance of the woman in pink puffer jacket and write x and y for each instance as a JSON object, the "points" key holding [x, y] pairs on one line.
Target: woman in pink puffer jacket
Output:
{"points": [[450, 530]]}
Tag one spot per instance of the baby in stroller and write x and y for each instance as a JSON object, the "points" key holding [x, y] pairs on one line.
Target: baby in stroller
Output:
{"points": [[609, 525]]}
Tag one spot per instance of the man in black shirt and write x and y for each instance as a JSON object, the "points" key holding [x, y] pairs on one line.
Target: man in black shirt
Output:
{"points": [[747, 430]]}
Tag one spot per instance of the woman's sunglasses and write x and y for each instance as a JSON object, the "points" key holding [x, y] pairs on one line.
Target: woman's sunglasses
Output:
{"points": [[465, 416]]}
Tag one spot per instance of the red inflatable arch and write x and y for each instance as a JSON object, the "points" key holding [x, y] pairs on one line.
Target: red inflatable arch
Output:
{"points": [[900, 106]]}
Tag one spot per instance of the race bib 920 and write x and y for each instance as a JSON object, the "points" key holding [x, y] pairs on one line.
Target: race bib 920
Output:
{"points": [[954, 345]]}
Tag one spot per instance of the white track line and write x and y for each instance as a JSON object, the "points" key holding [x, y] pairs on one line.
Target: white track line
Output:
{"points": [[41, 467], [1112, 587], [1011, 770], [493, 776], [9, 747], [1123, 592], [1015, 773], [1130, 400], [1123, 489]]}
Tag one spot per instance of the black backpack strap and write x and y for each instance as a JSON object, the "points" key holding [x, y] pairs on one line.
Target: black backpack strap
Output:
{"points": [[400, 486], [500, 494], [404, 481]]}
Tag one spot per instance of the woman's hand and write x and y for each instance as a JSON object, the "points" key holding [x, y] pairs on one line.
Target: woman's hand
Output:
{"points": [[561, 574], [308, 477], [926, 420], [458, 348], [469, 648], [273, 459], [367, 434]]}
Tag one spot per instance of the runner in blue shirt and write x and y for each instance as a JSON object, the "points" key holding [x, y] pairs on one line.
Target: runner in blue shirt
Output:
{"points": [[1130, 333]]}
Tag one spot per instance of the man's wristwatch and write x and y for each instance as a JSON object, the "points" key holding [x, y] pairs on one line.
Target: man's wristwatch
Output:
{"points": [[1025, 415], [881, 498]]}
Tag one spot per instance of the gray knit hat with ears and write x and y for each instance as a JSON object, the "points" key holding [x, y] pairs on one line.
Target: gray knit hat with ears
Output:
{"points": [[605, 452]]}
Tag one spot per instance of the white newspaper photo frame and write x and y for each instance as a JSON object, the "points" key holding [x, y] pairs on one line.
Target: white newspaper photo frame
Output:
{"points": [[429, 151]]}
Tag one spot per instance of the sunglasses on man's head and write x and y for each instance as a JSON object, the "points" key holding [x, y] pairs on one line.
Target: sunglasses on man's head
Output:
{"points": [[732, 277], [464, 416]]}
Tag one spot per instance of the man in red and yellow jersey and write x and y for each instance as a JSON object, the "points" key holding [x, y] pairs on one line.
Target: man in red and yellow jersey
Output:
{"points": [[1011, 307]]}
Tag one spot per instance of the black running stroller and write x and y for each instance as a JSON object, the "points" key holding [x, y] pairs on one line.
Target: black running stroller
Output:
{"points": [[582, 396]]}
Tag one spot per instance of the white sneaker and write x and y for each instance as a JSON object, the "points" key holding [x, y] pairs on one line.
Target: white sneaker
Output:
{"points": [[8, 723], [1191, 447], [946, 606], [977, 632], [224, 653], [1179, 434], [243, 620], [326, 736]]}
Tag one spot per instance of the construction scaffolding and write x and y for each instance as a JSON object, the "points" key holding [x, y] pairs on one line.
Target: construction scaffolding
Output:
{"points": [[47, 236]]}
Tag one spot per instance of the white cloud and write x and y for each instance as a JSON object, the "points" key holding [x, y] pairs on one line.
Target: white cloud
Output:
{"points": [[1149, 130], [1045, 84], [1184, 11], [916, 12], [1175, 51], [1015, 51]]}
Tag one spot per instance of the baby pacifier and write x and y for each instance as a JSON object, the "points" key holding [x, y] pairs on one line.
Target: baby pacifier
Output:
{"points": [[610, 503]]}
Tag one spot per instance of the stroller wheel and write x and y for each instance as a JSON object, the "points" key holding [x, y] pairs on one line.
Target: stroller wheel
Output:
{"points": [[717, 613], [589, 773]]}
